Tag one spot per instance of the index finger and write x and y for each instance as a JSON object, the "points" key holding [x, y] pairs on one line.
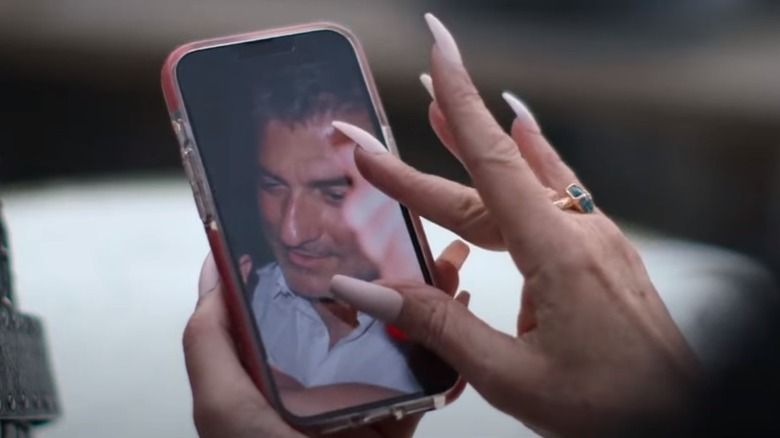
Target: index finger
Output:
{"points": [[504, 180], [482, 354]]}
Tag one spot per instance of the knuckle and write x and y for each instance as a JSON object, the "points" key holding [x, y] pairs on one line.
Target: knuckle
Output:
{"points": [[470, 209], [500, 151], [437, 322], [464, 94], [474, 222]]}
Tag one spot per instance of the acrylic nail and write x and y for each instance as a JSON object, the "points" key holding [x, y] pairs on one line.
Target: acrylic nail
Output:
{"points": [[444, 39], [378, 301], [427, 83], [363, 139], [521, 111]]}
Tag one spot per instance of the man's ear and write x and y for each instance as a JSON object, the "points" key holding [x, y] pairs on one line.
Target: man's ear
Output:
{"points": [[249, 274], [245, 266]]}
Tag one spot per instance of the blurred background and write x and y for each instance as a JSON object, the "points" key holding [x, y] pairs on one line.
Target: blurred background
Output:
{"points": [[667, 109]]}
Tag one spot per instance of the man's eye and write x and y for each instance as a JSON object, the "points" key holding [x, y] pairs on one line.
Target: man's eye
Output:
{"points": [[269, 185], [335, 196]]}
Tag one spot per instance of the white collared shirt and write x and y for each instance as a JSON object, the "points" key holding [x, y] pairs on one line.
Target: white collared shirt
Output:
{"points": [[296, 341]]}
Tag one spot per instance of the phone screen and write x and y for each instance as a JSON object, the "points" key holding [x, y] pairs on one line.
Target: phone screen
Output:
{"points": [[295, 211]]}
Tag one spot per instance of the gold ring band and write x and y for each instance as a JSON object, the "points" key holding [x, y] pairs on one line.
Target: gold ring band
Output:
{"points": [[576, 199]]}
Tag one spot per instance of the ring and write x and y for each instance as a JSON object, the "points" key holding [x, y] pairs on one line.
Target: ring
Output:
{"points": [[576, 199]]}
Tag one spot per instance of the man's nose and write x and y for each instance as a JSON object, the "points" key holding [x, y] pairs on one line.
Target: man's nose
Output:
{"points": [[300, 222]]}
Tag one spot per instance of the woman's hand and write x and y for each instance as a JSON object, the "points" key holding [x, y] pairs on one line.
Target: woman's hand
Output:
{"points": [[227, 404], [596, 350], [376, 220]]}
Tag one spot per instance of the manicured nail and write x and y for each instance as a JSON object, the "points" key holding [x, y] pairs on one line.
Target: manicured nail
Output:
{"points": [[427, 82], [361, 137], [378, 301], [456, 253], [464, 298], [522, 112], [209, 276], [444, 39]]}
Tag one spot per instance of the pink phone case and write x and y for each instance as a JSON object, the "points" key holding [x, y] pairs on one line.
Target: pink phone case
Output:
{"points": [[249, 346]]}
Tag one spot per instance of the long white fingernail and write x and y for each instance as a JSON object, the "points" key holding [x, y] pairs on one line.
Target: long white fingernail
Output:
{"points": [[521, 111], [361, 137], [378, 301], [444, 39], [427, 83]]}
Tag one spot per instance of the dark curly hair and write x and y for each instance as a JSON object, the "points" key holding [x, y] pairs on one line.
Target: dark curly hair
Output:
{"points": [[293, 93], [298, 93]]}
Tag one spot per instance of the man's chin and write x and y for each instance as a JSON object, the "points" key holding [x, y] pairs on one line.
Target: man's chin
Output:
{"points": [[311, 291]]}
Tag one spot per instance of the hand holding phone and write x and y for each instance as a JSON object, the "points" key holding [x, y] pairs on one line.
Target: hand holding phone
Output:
{"points": [[285, 209], [227, 404]]}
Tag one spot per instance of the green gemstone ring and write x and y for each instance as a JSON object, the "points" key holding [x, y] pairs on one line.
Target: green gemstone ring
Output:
{"points": [[576, 199]]}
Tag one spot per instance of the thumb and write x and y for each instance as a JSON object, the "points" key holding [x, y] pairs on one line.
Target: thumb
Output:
{"points": [[441, 324], [223, 393], [210, 354]]}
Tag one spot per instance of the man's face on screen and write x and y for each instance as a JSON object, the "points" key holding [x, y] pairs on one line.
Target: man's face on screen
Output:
{"points": [[301, 188]]}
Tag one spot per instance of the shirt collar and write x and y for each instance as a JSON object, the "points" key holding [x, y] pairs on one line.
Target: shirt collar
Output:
{"points": [[282, 290]]}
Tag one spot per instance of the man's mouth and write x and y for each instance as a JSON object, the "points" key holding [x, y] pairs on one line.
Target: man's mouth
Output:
{"points": [[306, 259]]}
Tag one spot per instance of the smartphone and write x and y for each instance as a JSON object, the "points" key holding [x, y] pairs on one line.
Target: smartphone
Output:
{"points": [[285, 209]]}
